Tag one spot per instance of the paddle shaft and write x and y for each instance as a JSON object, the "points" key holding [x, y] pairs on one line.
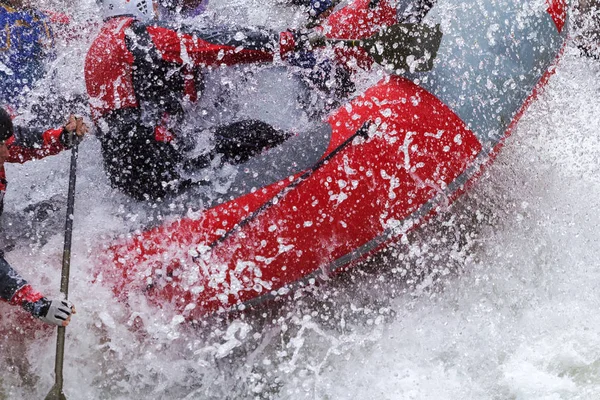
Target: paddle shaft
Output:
{"points": [[57, 390]]}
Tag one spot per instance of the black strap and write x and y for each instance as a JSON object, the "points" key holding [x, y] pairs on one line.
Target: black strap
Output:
{"points": [[141, 44], [156, 81]]}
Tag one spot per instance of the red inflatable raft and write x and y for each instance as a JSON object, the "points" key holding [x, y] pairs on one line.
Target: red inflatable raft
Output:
{"points": [[383, 162]]}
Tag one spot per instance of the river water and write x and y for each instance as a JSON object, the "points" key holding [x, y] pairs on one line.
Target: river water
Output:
{"points": [[497, 297]]}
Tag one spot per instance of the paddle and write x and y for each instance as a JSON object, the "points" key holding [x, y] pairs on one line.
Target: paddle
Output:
{"points": [[400, 47], [56, 393]]}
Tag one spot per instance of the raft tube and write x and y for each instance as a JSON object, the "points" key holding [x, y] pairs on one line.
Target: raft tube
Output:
{"points": [[385, 161]]}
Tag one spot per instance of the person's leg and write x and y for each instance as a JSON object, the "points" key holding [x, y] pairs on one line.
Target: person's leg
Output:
{"points": [[137, 164], [236, 143], [239, 141]]}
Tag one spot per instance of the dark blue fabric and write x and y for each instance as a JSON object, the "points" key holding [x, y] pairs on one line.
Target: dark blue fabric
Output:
{"points": [[26, 40], [10, 280], [29, 137], [320, 6], [302, 59]]}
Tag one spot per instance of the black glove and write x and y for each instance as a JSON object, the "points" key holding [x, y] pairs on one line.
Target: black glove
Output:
{"points": [[69, 139], [54, 312], [308, 39]]}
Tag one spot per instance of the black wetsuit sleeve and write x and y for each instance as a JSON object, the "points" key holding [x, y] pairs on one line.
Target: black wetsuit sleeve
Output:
{"points": [[249, 38], [28, 137], [10, 280], [33, 144]]}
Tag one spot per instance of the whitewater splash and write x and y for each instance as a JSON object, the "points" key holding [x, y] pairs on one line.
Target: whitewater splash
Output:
{"points": [[494, 298]]}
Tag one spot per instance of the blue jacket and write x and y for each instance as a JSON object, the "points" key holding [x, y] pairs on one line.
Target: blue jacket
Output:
{"points": [[26, 41]]}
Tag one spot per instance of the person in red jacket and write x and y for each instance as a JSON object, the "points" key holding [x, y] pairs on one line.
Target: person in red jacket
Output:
{"points": [[586, 30], [17, 145], [138, 72]]}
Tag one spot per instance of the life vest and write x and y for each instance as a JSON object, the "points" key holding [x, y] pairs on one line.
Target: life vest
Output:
{"points": [[109, 68]]}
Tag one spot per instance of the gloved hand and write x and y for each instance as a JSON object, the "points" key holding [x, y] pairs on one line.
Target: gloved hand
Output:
{"points": [[55, 312], [308, 39], [304, 40], [73, 132]]}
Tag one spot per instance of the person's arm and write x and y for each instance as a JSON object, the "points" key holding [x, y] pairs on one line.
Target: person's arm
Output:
{"points": [[31, 144], [10, 281], [213, 48], [16, 291], [316, 8]]}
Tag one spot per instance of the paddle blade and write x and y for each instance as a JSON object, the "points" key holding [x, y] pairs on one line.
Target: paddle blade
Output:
{"points": [[405, 47], [56, 393]]}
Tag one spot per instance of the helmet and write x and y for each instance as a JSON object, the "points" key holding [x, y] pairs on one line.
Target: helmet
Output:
{"points": [[141, 9], [6, 125]]}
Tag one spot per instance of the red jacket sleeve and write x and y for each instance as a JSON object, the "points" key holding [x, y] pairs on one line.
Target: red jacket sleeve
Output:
{"points": [[26, 294], [187, 48], [13, 288], [24, 149]]}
